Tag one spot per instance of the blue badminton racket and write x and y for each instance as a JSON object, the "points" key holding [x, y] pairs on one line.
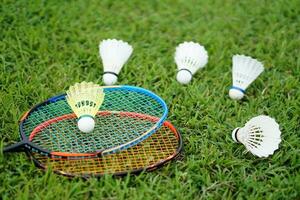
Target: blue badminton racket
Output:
{"points": [[128, 116]]}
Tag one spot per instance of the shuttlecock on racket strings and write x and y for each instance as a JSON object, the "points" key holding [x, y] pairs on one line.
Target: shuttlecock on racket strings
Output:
{"points": [[114, 54], [260, 135], [244, 71], [189, 57], [85, 100]]}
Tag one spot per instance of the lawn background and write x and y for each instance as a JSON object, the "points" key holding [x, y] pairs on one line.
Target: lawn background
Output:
{"points": [[46, 46]]}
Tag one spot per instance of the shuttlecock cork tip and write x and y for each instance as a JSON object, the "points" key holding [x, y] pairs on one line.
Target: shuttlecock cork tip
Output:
{"points": [[184, 76], [109, 78], [236, 93], [234, 135], [86, 124]]}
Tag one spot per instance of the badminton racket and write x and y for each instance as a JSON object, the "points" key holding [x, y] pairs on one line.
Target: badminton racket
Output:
{"points": [[157, 150], [127, 116]]}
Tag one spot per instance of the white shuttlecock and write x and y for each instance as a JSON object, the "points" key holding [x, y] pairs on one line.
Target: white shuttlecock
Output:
{"points": [[260, 136], [85, 100], [244, 71], [189, 57], [114, 54]]}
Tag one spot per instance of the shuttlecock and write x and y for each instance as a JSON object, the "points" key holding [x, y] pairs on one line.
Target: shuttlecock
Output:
{"points": [[260, 136], [244, 71], [114, 54], [85, 100], [189, 57]]}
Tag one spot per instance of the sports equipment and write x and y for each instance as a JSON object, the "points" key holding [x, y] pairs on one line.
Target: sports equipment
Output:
{"points": [[189, 57], [244, 71], [260, 135], [85, 100], [160, 148], [127, 116], [114, 54]]}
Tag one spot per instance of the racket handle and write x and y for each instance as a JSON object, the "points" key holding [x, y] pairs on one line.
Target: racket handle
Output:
{"points": [[18, 147]]}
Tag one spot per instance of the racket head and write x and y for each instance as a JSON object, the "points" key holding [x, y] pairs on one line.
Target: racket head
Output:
{"points": [[127, 116], [157, 150]]}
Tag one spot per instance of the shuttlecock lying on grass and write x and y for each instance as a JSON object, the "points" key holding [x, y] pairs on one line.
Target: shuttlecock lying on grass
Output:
{"points": [[85, 100], [260, 136], [189, 57], [114, 54], [244, 71]]}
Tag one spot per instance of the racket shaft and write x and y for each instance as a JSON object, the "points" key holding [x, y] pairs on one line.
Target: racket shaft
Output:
{"points": [[18, 147]]}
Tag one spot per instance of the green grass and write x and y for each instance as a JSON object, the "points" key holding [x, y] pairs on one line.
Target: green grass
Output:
{"points": [[46, 46]]}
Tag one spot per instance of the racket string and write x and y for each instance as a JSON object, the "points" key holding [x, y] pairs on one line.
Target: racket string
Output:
{"points": [[111, 130]]}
